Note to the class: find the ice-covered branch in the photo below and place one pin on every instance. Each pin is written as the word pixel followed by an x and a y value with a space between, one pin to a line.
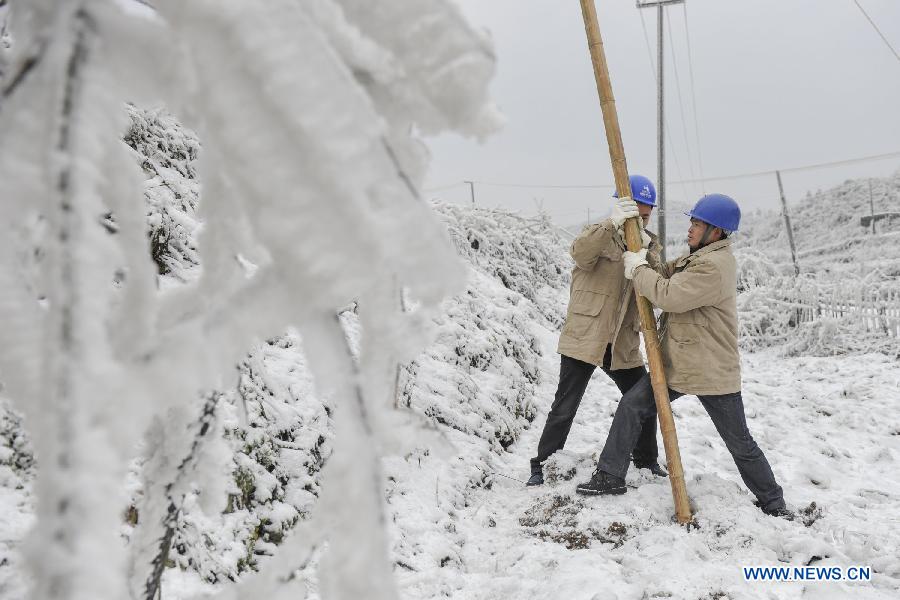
pixel 174 453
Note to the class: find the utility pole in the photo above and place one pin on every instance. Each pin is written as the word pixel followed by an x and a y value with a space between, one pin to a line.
pixel 471 190
pixel 787 223
pixel 660 120
pixel 872 206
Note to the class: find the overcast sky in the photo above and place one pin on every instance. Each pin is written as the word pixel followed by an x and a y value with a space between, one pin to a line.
pixel 778 84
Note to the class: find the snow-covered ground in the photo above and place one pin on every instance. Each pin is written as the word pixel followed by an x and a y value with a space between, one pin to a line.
pixel 830 430
pixel 828 425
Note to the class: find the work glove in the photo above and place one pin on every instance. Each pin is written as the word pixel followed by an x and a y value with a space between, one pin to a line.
pixel 645 237
pixel 633 260
pixel 623 210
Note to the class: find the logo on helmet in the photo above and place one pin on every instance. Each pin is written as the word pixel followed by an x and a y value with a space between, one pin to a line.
pixel 645 192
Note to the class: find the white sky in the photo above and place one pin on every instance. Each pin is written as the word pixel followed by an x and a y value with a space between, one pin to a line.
pixel 779 84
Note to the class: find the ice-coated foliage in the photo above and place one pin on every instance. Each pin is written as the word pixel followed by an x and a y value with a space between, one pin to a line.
pixel 527 256
pixel 477 378
pixel 16 452
pixel 168 153
pixel 306 112
pixel 847 296
pixel 277 457
pixel 484 338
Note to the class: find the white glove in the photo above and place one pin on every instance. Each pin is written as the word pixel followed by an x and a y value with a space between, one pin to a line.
pixel 622 210
pixel 645 238
pixel 633 260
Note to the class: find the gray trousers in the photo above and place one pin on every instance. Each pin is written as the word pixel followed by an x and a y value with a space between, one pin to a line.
pixel 727 414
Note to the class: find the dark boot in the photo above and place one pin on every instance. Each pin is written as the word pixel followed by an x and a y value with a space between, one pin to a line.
pixel 653 466
pixel 781 512
pixel 601 484
pixel 537 478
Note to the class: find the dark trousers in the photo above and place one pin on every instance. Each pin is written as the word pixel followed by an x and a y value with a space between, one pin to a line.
pixel 727 414
pixel 573 379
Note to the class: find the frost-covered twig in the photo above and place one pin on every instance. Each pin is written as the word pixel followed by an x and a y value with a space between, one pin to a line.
pixel 165 485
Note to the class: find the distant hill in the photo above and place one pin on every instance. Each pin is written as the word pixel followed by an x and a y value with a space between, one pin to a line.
pixel 828 232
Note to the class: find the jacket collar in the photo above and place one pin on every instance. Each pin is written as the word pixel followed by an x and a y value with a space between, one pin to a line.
pixel 704 250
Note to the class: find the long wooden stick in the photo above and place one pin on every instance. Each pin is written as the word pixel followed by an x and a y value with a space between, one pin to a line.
pixel 633 242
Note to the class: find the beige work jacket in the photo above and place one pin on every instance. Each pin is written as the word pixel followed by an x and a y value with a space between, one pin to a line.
pixel 602 308
pixel 699 328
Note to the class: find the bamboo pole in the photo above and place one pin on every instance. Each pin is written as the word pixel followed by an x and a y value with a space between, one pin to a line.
pixel 633 242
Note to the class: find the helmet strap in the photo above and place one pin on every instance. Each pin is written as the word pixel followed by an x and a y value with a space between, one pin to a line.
pixel 704 239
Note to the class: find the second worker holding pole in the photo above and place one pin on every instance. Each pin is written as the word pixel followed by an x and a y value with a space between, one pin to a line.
pixel 698 336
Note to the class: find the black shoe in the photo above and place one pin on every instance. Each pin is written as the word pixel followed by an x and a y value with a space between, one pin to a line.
pixel 781 512
pixel 601 484
pixel 535 479
pixel 653 466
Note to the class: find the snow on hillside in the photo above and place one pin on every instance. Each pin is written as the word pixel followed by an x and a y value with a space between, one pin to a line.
pixel 847 295
pixel 828 233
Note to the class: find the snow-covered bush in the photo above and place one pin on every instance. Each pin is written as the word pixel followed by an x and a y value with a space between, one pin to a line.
pixel 755 269
pixel 487 391
pixel 168 153
pixel 15 449
pixel 846 295
pixel 527 256
pixel 278 450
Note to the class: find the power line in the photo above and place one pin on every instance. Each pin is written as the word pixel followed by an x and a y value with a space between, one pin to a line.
pixel 654 76
pixel 647 44
pixel 441 188
pixel 552 186
pixel 836 163
pixel 687 34
pixel 687 144
pixel 896 55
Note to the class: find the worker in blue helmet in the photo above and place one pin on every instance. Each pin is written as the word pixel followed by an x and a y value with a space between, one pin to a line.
pixel 698 341
pixel 713 218
pixel 642 190
pixel 602 327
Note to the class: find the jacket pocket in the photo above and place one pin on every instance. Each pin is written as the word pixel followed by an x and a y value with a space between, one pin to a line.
pixel 586 302
pixel 584 310
pixel 685 335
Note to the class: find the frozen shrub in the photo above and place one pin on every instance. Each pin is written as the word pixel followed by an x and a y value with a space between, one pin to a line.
pixel 168 153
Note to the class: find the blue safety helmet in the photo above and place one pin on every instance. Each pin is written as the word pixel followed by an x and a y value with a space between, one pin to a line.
pixel 718 210
pixel 642 190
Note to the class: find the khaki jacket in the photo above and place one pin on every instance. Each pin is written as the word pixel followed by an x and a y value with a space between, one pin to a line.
pixel 699 328
pixel 602 307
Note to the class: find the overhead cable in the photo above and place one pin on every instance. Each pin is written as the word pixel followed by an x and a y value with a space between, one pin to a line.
pixel 836 163
pixel 687 143
pixel 896 55
pixel 687 33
